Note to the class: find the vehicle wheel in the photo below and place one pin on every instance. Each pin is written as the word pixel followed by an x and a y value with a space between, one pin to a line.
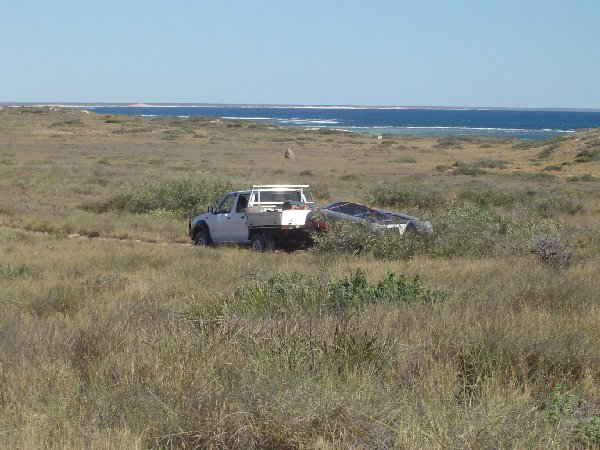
pixel 258 243
pixel 202 236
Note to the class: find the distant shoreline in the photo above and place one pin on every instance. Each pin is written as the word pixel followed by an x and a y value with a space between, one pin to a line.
pixel 291 106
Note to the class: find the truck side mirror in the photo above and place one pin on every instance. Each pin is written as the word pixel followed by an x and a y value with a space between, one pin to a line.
pixel 210 209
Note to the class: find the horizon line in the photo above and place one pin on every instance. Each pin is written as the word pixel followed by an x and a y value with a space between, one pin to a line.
pixel 286 105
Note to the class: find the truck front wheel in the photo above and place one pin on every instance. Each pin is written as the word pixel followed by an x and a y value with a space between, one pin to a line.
pixel 259 243
pixel 202 236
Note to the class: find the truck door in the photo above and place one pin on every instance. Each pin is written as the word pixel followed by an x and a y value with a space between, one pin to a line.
pixel 238 231
pixel 220 227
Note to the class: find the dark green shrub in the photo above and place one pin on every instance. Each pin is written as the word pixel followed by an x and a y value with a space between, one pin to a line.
pixel 588 155
pixel 405 160
pixel 450 142
pixel 587 432
pixel 552 204
pixel 467 230
pixel 553 167
pixel 460 168
pixel 9 271
pixel 547 152
pixel 490 163
pixel 524 145
pixel 588 178
pixel 183 198
pixel 281 294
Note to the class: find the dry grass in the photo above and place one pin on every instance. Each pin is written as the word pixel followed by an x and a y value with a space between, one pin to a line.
pixel 108 341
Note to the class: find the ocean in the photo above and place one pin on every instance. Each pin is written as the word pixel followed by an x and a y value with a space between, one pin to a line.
pixel 532 124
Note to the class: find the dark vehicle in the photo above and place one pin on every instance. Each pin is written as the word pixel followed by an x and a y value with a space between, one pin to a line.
pixel 378 219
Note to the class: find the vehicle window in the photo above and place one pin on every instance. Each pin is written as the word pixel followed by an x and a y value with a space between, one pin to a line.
pixel 307 195
pixel 279 197
pixel 226 205
pixel 242 203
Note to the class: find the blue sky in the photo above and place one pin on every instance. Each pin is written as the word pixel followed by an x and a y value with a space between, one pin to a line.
pixel 446 53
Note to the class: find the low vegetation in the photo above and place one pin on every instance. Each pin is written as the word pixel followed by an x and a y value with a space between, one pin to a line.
pixel 182 199
pixel 115 332
pixel 395 196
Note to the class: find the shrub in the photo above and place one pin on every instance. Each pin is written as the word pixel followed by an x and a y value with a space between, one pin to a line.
pixel 558 203
pixel 588 178
pixel 547 152
pixel 460 168
pixel 320 191
pixel 588 431
pixel 281 294
pixel 588 155
pixel 182 198
pixel 450 142
pixel 535 175
pixel 306 173
pixel 467 230
pixel 384 194
pixel 490 163
pixel 524 145
pixel 553 167
pixel 405 160
pixel 8 271
pixel 550 250
pixel 358 238
pixel 492 198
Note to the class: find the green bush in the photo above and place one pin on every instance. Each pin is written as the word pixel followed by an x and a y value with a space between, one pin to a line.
pixel 183 198
pixel 554 167
pixel 588 431
pixel 284 293
pixel 493 198
pixel 467 230
pixel 358 238
pixel 451 142
pixel 588 155
pixel 588 178
pixel 389 195
pixel 405 160
pixel 558 203
pixel 461 168
pixel 490 163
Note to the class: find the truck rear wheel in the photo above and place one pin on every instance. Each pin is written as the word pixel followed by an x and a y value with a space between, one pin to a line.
pixel 259 243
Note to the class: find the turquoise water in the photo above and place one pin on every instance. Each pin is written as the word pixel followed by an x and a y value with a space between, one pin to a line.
pixel 500 123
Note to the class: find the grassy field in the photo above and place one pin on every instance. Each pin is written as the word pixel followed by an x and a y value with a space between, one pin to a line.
pixel 115 332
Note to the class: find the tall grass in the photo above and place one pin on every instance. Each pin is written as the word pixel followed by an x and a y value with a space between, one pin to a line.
pixel 479 335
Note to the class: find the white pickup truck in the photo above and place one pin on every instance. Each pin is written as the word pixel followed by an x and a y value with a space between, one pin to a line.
pixel 265 217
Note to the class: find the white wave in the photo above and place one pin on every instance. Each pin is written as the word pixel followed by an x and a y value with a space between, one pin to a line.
pixel 248 118
pixel 515 130
pixel 310 121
